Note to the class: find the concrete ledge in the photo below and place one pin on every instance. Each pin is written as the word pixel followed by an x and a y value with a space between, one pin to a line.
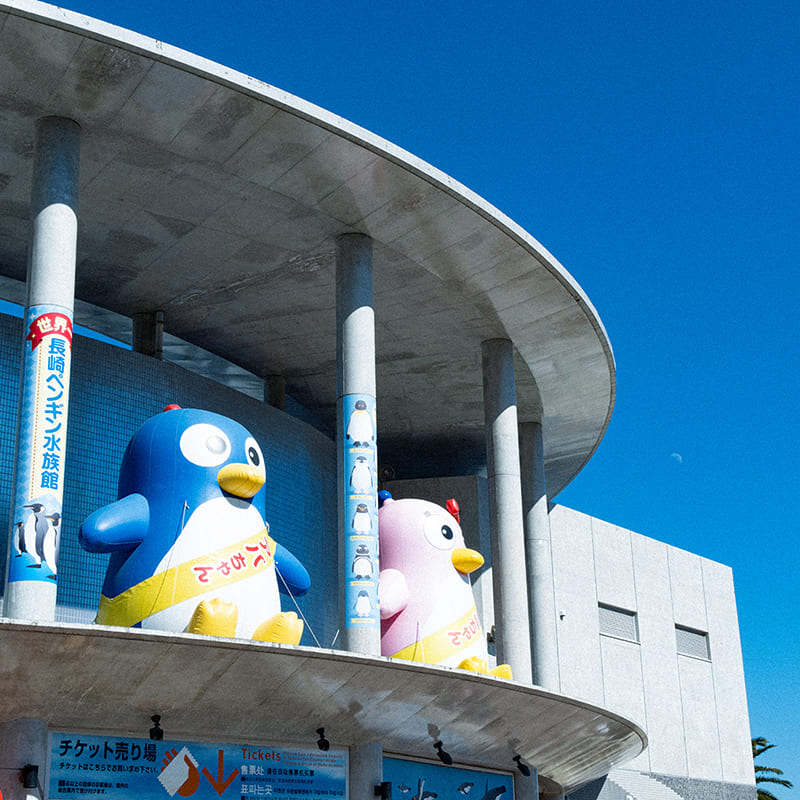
pixel 95 679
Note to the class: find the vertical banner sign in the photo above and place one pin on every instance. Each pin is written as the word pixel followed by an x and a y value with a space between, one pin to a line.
pixel 360 512
pixel 123 769
pixel 39 488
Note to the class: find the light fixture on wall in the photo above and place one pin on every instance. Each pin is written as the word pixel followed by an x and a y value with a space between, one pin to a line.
pixel 383 790
pixel 523 768
pixel 29 775
pixel 444 756
pixel 322 742
pixel 156 734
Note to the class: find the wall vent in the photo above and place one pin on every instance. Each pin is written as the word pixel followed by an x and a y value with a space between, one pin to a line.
pixel 692 643
pixel 618 622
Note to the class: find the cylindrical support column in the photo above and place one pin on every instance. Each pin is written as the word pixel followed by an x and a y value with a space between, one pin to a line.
pixel 23 743
pixel 148 333
pixel 526 787
pixel 356 435
pixel 505 508
pixel 44 383
pixel 366 770
pixel 541 593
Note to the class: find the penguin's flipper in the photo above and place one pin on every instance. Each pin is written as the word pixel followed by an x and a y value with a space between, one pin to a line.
pixel 284 627
pixel 502 671
pixel 393 592
pixel 293 577
pixel 121 525
pixel 215 617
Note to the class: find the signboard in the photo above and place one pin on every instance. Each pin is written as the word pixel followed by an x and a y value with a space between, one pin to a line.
pixel 39 488
pixel 114 768
pixel 420 780
pixel 360 513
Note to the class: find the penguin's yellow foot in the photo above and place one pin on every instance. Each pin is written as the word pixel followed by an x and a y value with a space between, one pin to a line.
pixel 501 671
pixel 474 664
pixel 285 628
pixel 215 617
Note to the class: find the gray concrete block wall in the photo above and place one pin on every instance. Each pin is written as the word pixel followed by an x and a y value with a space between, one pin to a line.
pixel 726 665
pixel 700 725
pixel 577 623
pixel 686 581
pixel 693 709
pixel 663 716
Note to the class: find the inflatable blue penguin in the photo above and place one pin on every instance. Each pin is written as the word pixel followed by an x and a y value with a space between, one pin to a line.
pixel 190 549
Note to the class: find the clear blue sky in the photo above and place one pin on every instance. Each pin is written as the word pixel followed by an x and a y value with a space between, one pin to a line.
pixel 653 149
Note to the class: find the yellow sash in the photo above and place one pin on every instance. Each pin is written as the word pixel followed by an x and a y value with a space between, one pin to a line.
pixel 192 578
pixel 442 644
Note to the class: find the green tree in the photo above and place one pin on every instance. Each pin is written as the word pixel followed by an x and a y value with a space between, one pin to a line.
pixel 766 774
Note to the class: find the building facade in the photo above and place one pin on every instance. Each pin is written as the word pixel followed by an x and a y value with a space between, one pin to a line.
pixel 330 274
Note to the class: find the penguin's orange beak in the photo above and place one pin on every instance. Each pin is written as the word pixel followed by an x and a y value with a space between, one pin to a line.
pixel 466 560
pixel 240 480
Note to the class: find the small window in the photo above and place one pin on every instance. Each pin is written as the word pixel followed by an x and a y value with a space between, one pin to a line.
pixel 692 643
pixel 618 623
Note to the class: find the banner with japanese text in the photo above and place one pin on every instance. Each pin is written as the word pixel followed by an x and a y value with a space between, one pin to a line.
pixel 116 768
pixel 39 486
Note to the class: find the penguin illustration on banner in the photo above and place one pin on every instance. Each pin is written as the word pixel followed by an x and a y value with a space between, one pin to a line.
pixel 363 605
pixel 37 536
pixel 428 612
pixel 190 549
pixel 362 563
pixel 361 481
pixel 359 428
pixel 362 520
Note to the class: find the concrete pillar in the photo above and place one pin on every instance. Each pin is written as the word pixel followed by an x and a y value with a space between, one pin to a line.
pixel 148 333
pixel 22 742
pixel 44 382
pixel 275 391
pixel 356 436
pixel 366 770
pixel 526 787
pixel 541 591
pixel 505 508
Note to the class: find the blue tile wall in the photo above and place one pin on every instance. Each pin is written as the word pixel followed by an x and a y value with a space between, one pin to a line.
pixel 113 391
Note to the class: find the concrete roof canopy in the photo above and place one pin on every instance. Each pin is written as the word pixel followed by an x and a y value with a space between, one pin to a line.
pixel 216 198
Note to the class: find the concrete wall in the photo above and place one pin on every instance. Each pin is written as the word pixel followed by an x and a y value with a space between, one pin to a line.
pixel 693 709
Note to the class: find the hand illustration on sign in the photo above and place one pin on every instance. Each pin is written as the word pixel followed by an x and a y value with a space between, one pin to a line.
pixel 181 776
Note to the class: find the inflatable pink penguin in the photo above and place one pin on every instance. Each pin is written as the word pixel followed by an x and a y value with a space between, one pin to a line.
pixel 428 613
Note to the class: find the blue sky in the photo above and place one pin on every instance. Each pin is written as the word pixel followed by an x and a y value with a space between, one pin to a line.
pixel 653 149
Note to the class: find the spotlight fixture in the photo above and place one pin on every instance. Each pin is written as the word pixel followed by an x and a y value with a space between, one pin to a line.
pixel 444 756
pixel 156 734
pixel 523 768
pixel 29 775
pixel 322 742
pixel 383 790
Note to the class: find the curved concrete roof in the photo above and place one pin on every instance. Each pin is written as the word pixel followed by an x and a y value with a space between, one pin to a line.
pixel 200 685
pixel 216 198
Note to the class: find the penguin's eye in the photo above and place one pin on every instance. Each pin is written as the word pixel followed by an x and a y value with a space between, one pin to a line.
pixel 254 455
pixel 205 445
pixel 439 531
